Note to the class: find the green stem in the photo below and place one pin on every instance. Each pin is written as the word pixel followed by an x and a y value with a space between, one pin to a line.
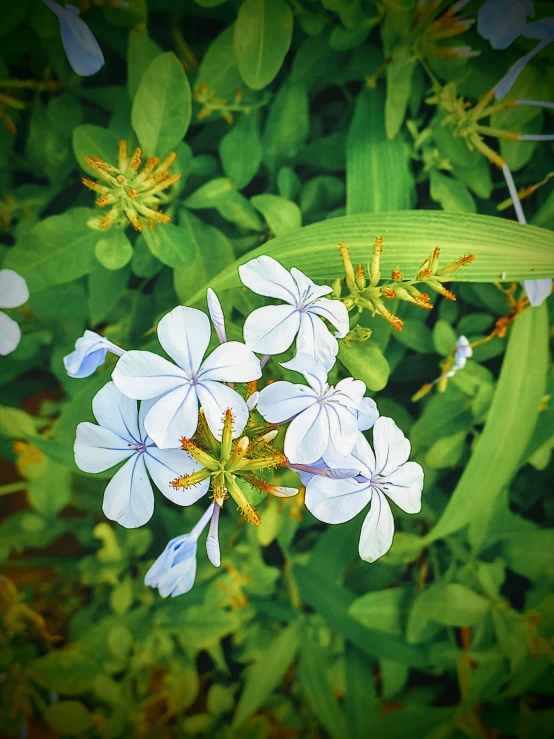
pixel 13 487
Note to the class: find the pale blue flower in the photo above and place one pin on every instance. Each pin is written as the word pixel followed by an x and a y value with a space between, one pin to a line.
pixel 178 389
pixel 81 48
pixel 318 413
pixel 501 22
pixel 120 436
pixel 174 572
pixel 387 473
pixel 13 293
pixel 90 352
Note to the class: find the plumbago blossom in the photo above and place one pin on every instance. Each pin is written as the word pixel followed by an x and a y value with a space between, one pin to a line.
pixel 204 427
pixel 13 293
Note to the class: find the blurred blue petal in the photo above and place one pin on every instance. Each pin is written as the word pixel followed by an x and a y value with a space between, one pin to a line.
pixel 537 291
pixel 90 352
pixel 541 30
pixel 502 21
pixel 83 53
pixel 507 82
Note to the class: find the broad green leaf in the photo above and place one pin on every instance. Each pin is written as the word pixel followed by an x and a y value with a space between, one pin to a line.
pixel 70 718
pixel 399 77
pixel 50 492
pixel 106 287
pixel 446 451
pixel 15 423
pixel 365 361
pixel 240 151
pixel 266 675
pixel 382 610
pixel 408 238
pixel 171 245
pixel 317 691
pixel 162 106
pixel 114 251
pixel 287 125
pixel 59 249
pixel 509 427
pixel 210 193
pixel 218 71
pixel 281 215
pixel 263 33
pixel 69 670
pixel 530 554
pixel 360 701
pixel 417 336
pixel 452 194
pixel 444 338
pixel 94 141
pixel 141 52
pixel 449 604
pixel 378 174
pixel 332 602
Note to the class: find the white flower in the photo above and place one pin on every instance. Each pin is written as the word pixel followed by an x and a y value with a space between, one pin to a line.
pixel 385 473
pixel 367 414
pixel 13 293
pixel 462 353
pixel 272 329
pixel 90 352
pixel 319 414
pixel 174 572
pixel 216 314
pixel 537 291
pixel 180 388
pixel 120 435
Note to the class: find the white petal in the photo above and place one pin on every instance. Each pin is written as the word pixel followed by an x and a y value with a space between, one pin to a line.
pixel 351 392
pixel 13 289
pixel 265 276
pixel 363 451
pixel 404 487
pixel 367 414
pixel 283 492
pixel 314 372
pixel 212 541
pixel 333 311
pixel 231 362
pixel 145 375
pixel 377 529
pixel 537 291
pixel 10 334
pixel 180 578
pixel 314 338
pixel 165 465
pixel 336 501
pixel 392 448
pixel 307 436
pixel 166 559
pixel 307 289
pixel 282 401
pixel 129 499
pixel 173 417
pixel 116 412
pixel 97 449
pixel 216 314
pixel 184 333
pixel 271 330
pixel 216 398
pixel 343 426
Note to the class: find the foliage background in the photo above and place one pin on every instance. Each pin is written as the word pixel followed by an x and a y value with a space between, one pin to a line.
pixel 451 633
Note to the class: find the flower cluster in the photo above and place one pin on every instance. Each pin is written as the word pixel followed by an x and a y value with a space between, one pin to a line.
pixel 133 196
pixel 205 425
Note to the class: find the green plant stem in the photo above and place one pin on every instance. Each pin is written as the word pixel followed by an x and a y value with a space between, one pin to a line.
pixel 13 487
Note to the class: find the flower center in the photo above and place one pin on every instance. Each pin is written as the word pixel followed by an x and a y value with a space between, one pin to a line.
pixel 140 447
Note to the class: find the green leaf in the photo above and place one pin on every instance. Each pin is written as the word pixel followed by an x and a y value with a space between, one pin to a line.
pixel 263 33
pixel 141 52
pixel 218 71
pixel 70 718
pixel 15 423
pixel 452 194
pixel 399 88
pixel 317 690
pixel 281 215
pixel 288 124
pixel 365 361
pixel 378 173
pixel 417 336
pixel 450 604
pixel 94 141
pixel 509 427
pixel 171 245
pixel 162 106
pixel 69 670
pixel 51 492
pixel 106 288
pixel 210 193
pixel 496 242
pixel 266 675
pixel 361 702
pixel 446 451
pixel 240 151
pixel 444 338
pixel 114 251
pixel 380 610
pixel 59 249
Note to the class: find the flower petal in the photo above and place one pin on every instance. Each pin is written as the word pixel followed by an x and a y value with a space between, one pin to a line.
pixel 282 401
pixel 502 21
pixel 307 289
pixel 314 372
pixel 165 465
pixel 404 487
pixel 129 499
pixel 10 334
pixel 231 362
pixel 145 375
pixel 216 314
pixel 180 578
pixel 307 436
pixel 97 449
pixel 265 276
pixel 173 416
pixel 184 544
pixel 81 48
pixel 271 330
pixel 13 289
pixel 184 333
pixel 392 448
pixel 537 291
pixel 367 414
pixel 215 398
pixel 335 312
pixel 315 339
pixel 377 529
pixel 343 427
pixel 116 412
pixel 336 501
pixel 350 392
